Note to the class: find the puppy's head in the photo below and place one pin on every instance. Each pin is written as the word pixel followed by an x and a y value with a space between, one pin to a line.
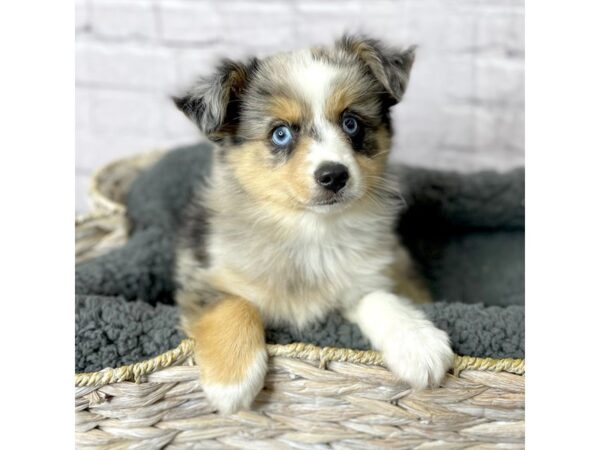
pixel 307 130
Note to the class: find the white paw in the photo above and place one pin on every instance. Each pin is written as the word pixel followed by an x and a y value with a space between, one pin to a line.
pixel 230 398
pixel 419 355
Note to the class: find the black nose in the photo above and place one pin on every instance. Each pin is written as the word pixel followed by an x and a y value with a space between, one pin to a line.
pixel 332 176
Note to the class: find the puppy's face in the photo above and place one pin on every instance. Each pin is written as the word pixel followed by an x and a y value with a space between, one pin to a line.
pixel 307 130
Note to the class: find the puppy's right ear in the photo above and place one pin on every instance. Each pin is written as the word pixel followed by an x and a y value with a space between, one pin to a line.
pixel 213 103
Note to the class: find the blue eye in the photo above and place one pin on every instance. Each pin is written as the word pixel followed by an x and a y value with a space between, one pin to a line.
pixel 282 136
pixel 350 125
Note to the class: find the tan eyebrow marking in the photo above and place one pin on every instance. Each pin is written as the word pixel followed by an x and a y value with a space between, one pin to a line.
pixel 288 109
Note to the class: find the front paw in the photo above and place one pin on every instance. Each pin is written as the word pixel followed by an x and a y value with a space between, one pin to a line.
pixel 230 397
pixel 420 355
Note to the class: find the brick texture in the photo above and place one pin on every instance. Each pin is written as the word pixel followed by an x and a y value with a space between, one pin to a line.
pixel 464 109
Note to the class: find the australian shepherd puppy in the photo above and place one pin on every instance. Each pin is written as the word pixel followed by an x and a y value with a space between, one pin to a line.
pixel 297 217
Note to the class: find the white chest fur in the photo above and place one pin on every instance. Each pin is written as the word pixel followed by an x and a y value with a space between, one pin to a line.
pixel 299 268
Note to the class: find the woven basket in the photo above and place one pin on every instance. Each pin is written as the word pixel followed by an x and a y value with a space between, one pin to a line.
pixel 313 397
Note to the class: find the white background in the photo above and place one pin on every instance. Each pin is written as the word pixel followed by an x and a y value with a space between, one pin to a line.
pixel 463 110
pixel 36 190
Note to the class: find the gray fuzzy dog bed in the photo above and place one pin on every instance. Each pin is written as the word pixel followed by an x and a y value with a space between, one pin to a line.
pixel 466 232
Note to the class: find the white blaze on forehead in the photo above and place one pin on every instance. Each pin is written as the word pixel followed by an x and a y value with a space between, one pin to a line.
pixel 314 80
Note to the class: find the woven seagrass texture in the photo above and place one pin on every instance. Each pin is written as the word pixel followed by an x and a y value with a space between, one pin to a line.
pixel 105 227
pixel 313 397
pixel 98 233
pixel 110 183
pixel 346 405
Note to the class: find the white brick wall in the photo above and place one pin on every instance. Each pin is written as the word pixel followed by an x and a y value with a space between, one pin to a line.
pixel 464 108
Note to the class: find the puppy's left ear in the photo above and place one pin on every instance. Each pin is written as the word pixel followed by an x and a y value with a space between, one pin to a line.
pixel 391 66
pixel 213 103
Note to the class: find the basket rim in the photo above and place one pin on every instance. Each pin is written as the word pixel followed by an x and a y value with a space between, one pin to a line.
pixel 94 191
pixel 299 350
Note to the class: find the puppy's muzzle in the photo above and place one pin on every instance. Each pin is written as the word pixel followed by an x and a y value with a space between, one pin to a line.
pixel 332 176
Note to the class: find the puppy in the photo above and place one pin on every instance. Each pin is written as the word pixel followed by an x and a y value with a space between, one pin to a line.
pixel 297 217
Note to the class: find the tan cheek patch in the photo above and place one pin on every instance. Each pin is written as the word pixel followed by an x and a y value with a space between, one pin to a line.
pixel 285 184
pixel 229 337
pixel 372 167
pixel 252 169
pixel 384 142
pixel 296 174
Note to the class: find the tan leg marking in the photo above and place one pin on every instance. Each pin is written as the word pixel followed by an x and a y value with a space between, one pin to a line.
pixel 229 336
pixel 408 281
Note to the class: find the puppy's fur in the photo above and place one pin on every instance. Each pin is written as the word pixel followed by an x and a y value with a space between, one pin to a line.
pixel 267 241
